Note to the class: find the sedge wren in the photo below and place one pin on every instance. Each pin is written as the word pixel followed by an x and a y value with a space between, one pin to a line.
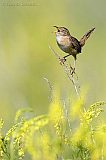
pixel 69 44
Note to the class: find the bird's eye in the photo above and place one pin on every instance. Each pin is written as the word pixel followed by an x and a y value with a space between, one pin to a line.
pixel 58 30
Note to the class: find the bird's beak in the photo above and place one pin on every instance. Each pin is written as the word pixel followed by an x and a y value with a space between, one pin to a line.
pixel 56 28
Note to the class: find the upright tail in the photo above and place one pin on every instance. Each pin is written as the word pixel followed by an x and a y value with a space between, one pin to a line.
pixel 85 37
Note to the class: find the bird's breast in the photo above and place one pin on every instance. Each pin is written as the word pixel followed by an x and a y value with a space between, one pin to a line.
pixel 63 40
pixel 64 43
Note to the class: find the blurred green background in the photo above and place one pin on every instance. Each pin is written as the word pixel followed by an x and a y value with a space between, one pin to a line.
pixel 25 58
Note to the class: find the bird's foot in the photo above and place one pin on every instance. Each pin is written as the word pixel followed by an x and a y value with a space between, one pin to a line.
pixel 62 60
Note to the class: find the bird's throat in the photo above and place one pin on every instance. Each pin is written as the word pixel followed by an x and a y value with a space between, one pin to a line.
pixel 59 39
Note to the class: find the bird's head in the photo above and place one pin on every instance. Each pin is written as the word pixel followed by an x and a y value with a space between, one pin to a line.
pixel 61 31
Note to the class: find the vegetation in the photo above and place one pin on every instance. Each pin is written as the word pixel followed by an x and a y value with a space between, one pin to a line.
pixel 54 135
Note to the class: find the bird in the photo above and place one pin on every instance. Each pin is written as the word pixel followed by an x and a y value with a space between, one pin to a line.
pixel 69 44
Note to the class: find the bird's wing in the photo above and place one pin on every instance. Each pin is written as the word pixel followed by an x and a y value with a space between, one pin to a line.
pixel 86 36
pixel 75 44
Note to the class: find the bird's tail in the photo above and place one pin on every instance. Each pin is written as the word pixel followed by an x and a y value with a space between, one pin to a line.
pixel 85 37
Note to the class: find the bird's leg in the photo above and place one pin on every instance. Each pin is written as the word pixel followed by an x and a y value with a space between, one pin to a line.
pixel 66 56
pixel 75 64
pixel 62 60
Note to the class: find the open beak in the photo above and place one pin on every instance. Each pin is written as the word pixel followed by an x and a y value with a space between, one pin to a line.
pixel 56 28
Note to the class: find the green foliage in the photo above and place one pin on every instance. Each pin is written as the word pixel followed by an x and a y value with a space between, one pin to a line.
pixel 53 136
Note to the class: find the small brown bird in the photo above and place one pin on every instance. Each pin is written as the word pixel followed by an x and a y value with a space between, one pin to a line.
pixel 69 44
